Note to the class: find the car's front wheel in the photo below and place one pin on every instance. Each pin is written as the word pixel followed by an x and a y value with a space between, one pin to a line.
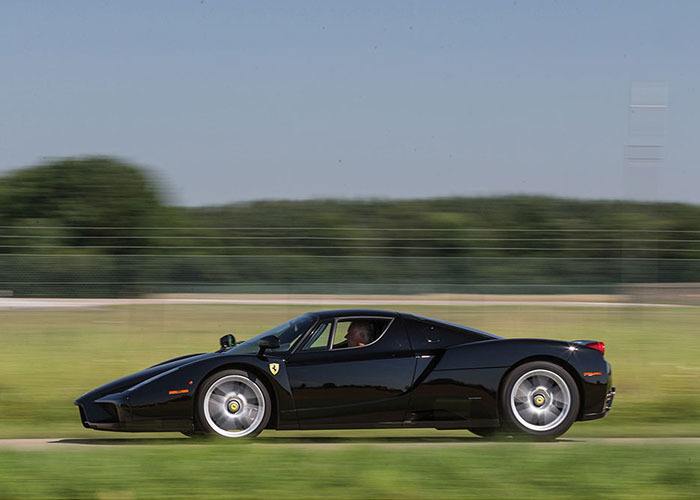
pixel 539 399
pixel 233 404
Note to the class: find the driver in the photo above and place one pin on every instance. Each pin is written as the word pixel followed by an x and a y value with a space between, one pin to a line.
pixel 359 334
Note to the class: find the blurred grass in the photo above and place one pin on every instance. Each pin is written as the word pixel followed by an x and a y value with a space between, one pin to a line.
pixel 49 357
pixel 245 470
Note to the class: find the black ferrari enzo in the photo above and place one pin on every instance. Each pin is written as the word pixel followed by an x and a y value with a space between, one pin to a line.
pixel 363 369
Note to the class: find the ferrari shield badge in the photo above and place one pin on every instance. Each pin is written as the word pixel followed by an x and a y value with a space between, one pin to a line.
pixel 274 368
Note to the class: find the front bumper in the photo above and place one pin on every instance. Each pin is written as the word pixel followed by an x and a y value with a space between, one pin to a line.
pixel 111 413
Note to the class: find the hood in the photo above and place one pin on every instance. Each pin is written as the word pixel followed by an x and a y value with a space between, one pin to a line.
pixel 124 383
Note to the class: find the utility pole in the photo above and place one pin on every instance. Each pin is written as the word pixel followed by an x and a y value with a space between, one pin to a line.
pixel 646 143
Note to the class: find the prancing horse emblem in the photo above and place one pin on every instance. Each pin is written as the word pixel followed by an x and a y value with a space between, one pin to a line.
pixel 274 368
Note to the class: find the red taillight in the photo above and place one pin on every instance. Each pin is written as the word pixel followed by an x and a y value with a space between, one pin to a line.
pixel 598 346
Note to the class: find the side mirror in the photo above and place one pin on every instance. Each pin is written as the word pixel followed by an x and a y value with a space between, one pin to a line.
pixel 227 341
pixel 269 342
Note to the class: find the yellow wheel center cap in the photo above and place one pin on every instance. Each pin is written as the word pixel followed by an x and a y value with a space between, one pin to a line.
pixel 538 400
pixel 234 406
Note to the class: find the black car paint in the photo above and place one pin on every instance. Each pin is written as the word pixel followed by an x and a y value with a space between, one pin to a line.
pixel 420 373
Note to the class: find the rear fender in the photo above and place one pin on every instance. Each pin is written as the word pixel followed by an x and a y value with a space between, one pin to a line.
pixel 501 353
pixel 587 366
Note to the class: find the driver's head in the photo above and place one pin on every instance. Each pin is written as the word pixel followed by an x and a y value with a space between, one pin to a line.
pixel 359 333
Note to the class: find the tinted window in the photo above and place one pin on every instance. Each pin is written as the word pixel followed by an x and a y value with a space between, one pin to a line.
pixel 319 338
pixel 433 335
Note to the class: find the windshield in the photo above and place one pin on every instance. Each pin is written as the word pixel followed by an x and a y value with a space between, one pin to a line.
pixel 287 333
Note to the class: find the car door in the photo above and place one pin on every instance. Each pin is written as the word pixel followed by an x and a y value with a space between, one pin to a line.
pixel 339 386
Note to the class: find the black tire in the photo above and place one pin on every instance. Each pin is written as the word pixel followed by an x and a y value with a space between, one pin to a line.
pixel 208 423
pixel 542 373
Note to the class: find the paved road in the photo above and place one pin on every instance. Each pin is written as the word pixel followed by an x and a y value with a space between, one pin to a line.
pixel 94 443
pixel 31 303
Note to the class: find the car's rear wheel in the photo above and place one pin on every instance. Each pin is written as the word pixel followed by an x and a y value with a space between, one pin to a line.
pixel 539 399
pixel 233 404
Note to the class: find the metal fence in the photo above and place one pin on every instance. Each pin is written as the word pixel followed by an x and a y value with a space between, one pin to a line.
pixel 118 261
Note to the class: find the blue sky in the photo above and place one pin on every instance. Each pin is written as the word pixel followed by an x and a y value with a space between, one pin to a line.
pixel 231 101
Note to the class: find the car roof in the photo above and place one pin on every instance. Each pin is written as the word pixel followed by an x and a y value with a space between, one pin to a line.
pixel 332 313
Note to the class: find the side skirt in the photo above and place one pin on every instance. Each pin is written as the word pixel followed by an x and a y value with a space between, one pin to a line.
pixel 423 424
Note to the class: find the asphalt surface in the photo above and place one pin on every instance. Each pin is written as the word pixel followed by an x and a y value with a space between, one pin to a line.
pixel 11 303
pixel 44 444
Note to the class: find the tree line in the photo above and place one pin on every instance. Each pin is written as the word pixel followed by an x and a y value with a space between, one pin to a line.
pixel 98 226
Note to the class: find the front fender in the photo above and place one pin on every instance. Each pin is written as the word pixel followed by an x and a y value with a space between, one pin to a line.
pixel 172 394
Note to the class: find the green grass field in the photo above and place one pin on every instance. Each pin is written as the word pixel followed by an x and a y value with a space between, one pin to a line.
pixel 49 357
pixel 245 470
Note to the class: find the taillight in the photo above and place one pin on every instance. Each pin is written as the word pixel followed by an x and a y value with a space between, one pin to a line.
pixel 598 346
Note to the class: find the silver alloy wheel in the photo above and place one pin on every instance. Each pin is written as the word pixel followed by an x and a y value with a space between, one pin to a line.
pixel 234 406
pixel 540 400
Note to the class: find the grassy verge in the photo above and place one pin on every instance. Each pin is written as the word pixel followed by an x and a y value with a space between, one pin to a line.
pixel 259 471
pixel 48 358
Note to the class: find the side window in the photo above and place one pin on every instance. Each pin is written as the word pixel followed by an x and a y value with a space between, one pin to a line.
pixel 358 332
pixel 319 338
pixel 431 334
pixel 426 335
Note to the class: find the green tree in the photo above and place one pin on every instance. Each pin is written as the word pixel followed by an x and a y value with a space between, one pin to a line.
pixel 92 210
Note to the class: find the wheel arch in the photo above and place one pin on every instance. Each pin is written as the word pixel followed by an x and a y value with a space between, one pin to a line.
pixel 274 416
pixel 551 359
